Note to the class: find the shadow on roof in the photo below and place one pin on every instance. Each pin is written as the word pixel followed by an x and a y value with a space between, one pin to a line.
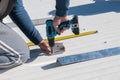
pixel 34 53
pixel 94 8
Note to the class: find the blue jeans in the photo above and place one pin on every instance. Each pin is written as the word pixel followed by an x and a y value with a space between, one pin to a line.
pixel 14 41
pixel 23 21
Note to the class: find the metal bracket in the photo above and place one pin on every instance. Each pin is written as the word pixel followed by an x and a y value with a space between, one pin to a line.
pixel 58 48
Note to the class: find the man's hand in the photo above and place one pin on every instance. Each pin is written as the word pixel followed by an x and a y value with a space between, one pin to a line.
pixel 45 47
pixel 57 21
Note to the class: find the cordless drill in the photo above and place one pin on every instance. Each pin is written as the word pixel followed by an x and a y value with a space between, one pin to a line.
pixel 51 32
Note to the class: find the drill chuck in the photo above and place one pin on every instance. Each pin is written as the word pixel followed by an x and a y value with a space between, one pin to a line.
pixel 51 41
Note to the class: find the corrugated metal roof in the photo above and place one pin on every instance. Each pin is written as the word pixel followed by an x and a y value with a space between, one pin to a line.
pixel 101 16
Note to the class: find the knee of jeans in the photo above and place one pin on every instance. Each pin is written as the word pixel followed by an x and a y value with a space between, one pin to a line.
pixel 25 55
pixel 4 59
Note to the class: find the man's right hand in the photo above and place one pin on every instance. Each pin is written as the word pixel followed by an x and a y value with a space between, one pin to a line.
pixel 57 21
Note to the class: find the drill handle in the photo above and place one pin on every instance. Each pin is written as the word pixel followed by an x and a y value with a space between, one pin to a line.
pixel 73 22
pixel 68 23
pixel 64 24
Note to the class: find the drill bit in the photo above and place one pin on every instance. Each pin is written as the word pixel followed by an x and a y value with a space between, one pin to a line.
pixel 52 51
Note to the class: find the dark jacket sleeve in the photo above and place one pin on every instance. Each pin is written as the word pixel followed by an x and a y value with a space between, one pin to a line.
pixel 23 21
pixel 62 7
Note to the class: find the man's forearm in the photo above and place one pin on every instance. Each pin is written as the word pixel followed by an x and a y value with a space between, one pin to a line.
pixel 23 21
pixel 62 7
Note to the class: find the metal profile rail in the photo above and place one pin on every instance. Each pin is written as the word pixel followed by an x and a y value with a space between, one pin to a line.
pixel 67 37
pixel 65 60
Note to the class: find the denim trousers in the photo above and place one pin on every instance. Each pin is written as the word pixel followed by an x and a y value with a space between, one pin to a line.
pixel 15 41
pixel 12 39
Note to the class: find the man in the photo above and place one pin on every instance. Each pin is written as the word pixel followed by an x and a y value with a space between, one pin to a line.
pixel 21 18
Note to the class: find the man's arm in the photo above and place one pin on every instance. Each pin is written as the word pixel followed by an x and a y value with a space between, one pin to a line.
pixel 62 7
pixel 23 21
pixel 61 13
